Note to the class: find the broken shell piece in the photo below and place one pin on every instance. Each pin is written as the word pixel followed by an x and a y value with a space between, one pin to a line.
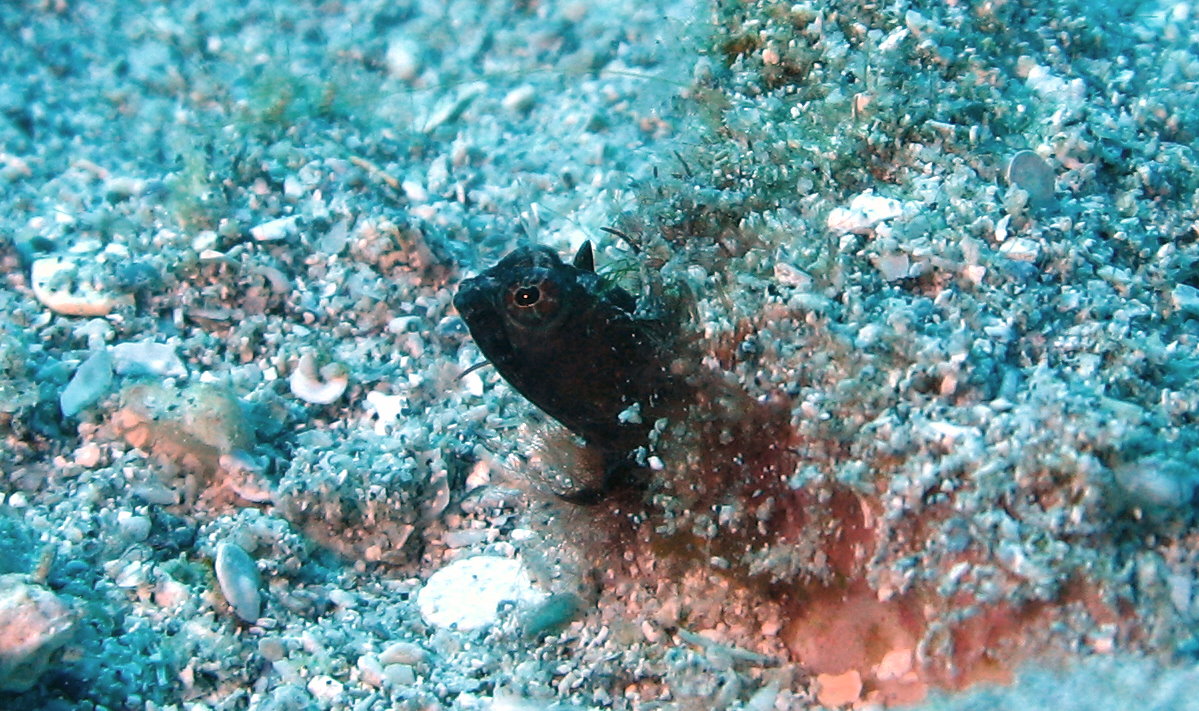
pixel 319 388
pixel 864 213
pixel 59 285
pixel 147 358
pixel 276 229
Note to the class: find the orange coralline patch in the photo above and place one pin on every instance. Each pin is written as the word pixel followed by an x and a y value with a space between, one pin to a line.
pixel 836 632
pixel 194 434
pixel 838 689
pixel 899 645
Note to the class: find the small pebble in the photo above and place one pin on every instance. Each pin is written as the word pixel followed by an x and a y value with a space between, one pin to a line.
pixel 370 670
pixel 1032 174
pixel 552 615
pixel 1021 249
pixel 839 689
pixel 864 213
pixel 403 60
pixel 341 598
pixel 465 537
pixel 56 284
pixel 88 455
pixel 520 99
pixel 90 383
pixel 133 528
pixel 402 653
pixel 278 229
pixel 237 574
pixel 1157 480
pixel 893 266
pixel 1186 299
pixel 34 623
pixel 399 675
pixel 271 649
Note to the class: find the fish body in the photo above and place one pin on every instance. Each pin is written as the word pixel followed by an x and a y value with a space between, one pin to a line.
pixel 572 343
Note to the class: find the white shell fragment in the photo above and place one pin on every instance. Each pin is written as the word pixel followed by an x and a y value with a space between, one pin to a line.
pixel 147 358
pixel 387 409
pixel 467 594
pixel 56 283
pixel 325 688
pixel 1021 249
pixel 320 388
pixel 273 230
pixel 237 574
pixel 864 213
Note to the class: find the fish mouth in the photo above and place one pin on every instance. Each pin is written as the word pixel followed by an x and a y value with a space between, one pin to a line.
pixel 475 303
pixel 472 299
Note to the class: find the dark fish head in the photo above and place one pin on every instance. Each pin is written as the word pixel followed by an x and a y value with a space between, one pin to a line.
pixel 564 338
pixel 525 303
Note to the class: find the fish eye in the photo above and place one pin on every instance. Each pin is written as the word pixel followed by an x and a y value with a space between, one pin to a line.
pixel 532 302
pixel 526 296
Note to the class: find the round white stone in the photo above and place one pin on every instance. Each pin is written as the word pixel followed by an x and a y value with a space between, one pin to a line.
pixel 467 593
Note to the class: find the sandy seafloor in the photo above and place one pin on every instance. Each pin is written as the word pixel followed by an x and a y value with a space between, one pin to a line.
pixel 237 443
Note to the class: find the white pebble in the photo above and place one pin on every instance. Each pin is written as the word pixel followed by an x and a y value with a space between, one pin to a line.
pixel 473 384
pixel 133 528
pixel 237 574
pixel 1021 249
pixel 342 599
pixel 1186 299
pixel 467 594
pixel 893 266
pixel 790 276
pixel 325 688
pixel 370 670
pixel 88 455
pixel 403 61
pixel 1158 481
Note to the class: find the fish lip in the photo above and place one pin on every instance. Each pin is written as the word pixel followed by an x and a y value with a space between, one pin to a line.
pixel 475 302
pixel 472 297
